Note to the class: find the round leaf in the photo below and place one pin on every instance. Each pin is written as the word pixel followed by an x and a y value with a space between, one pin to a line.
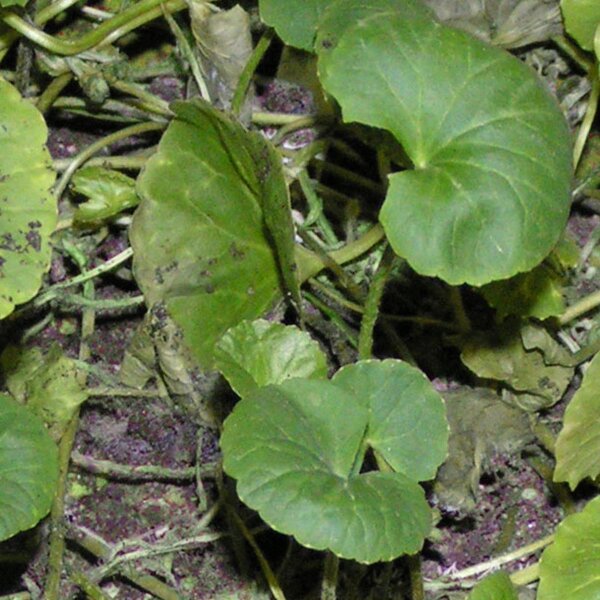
pixel 296 448
pixel 27 209
pixel 496 586
pixel 258 353
pixel 407 424
pixel 489 193
pixel 569 567
pixel 581 19
pixel 198 235
pixel 28 468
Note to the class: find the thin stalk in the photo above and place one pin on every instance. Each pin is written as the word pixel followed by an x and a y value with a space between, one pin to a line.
pixel 588 119
pixel 333 317
pixel 125 163
pixel 91 590
pixel 315 204
pixel 580 308
pixel 139 13
pixel 352 177
pixel 573 52
pixel 101 304
pixel 148 102
pixel 331 567
pixel 272 118
pixel 460 314
pixel 248 71
pixel 303 122
pixel 99 145
pixel 417 591
pixel 372 302
pixel 52 92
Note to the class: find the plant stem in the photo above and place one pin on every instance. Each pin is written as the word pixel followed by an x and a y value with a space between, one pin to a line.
pixel 331 565
pixel 334 317
pixel 248 71
pixel 125 163
pixel 272 118
pixel 149 102
pixel 588 119
pixel 580 308
pixel 97 146
pixel 108 304
pixel 573 52
pixel 139 13
pixel 417 592
pixel 460 314
pixel 372 302
pixel 52 91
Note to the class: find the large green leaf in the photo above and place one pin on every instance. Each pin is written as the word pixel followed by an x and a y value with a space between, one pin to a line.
pixel 258 353
pixel 569 567
pixel 578 443
pixel 581 19
pixel 199 235
pixel 27 208
pixel 405 410
pixel 294 22
pixel 28 468
pixel 489 193
pixel 296 450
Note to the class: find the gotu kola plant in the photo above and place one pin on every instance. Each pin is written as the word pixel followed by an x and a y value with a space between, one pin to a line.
pixel 484 198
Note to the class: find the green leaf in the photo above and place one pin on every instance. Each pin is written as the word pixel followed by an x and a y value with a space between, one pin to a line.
pixel 258 353
pixel 581 19
pixel 578 443
pixel 28 468
pixel 109 193
pixel 537 293
pixel 399 396
pixel 198 235
pixel 7 3
pixel 296 450
pixel 569 567
pixel 294 22
pixel 531 372
pixel 489 193
pixel 47 382
pixel 496 586
pixel 27 209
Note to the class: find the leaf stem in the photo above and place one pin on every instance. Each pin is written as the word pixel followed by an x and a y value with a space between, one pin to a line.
pixel 246 76
pixel 331 566
pixel 137 14
pixel 372 302
pixel 588 119
pixel 52 91
pixel 581 307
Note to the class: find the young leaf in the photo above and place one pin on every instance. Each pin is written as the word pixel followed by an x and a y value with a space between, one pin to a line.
pixel 578 443
pixel 398 396
pixel 569 567
pixel 28 468
pixel 109 193
pixel 497 586
pixel 258 353
pixel 581 19
pixel 296 449
pixel 27 209
pixel 489 193
pixel 198 235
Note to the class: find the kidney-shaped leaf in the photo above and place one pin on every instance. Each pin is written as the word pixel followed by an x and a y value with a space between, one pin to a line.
pixel 569 567
pixel 407 424
pixel 489 193
pixel 27 208
pixel 296 451
pixel 28 468
pixel 198 235
pixel 258 353
pixel 578 443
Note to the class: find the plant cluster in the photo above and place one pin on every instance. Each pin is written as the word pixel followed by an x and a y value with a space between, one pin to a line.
pixel 456 166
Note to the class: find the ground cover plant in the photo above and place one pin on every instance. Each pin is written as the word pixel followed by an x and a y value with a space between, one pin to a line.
pixel 299 300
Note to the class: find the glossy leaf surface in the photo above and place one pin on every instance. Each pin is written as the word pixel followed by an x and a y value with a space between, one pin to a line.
pixel 489 193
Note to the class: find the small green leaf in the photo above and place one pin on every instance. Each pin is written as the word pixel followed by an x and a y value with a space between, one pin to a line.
pixel 7 3
pixel 199 234
pixel 578 443
pixel 569 567
pixel 28 468
pixel 296 451
pixel 581 19
pixel 489 194
pixel 497 586
pixel 109 193
pixel 399 396
pixel 537 293
pixel 258 353
pixel 48 383
pixel 27 208
pixel 294 22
